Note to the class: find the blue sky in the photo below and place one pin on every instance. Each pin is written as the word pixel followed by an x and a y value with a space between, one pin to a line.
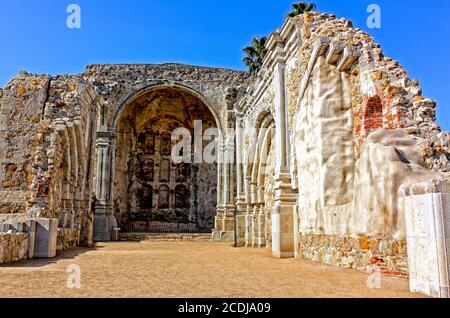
pixel 211 33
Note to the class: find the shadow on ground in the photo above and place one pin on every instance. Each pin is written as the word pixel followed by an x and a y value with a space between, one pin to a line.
pixel 42 262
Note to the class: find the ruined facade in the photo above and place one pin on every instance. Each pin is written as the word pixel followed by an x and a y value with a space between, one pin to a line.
pixel 331 154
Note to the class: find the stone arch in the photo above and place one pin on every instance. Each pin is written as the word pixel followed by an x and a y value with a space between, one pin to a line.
pixel 157 109
pixel 147 89
pixel 256 232
pixel 74 179
pixel 81 180
pixel 265 123
pixel 66 165
pixel 263 156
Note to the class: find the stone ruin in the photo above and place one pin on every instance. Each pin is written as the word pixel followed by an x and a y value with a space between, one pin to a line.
pixel 337 157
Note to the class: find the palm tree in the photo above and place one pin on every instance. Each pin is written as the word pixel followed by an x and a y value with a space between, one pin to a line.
pixel 255 54
pixel 300 8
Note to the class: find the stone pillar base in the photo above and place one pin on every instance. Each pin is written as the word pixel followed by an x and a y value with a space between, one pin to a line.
pixel 228 218
pixel 283 232
pixel 101 228
pixel 248 230
pixel 104 224
pixel 261 239
pixel 241 226
pixel 223 236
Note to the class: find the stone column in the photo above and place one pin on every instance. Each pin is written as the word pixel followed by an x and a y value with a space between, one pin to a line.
pixel 261 240
pixel 248 213
pixel 104 219
pixel 427 219
pixel 112 222
pixel 230 206
pixel 75 222
pixel 88 210
pixel 255 224
pixel 241 206
pixel 193 214
pixel 285 198
pixel 218 222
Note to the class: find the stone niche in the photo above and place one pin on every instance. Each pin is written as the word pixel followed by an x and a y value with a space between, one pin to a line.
pixel 150 189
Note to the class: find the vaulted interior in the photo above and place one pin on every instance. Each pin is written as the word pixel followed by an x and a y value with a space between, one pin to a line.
pixel 151 190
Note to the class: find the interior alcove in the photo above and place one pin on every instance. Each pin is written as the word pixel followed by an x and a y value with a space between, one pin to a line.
pixel 149 189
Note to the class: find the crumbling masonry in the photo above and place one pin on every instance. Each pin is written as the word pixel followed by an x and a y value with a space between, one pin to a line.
pixel 337 157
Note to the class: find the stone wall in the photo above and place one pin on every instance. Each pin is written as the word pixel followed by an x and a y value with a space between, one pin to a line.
pixel 358 129
pixel 382 254
pixel 22 104
pixel 13 247
pixel 67 239
pixel 46 130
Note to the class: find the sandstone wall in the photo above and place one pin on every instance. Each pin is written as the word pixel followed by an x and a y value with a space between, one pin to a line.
pixel 13 247
pixel 359 128
pixel 22 104
pixel 67 239
pixel 46 127
pixel 119 84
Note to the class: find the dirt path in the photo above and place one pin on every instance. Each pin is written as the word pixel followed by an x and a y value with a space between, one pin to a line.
pixel 183 269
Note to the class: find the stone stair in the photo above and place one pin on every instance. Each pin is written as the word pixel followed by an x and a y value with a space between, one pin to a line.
pixel 166 237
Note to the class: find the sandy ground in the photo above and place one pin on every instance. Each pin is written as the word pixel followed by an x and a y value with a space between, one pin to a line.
pixel 184 269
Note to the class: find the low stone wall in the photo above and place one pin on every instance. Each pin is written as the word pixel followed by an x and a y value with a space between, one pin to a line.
pixel 388 256
pixel 13 247
pixel 67 239
pixel 165 237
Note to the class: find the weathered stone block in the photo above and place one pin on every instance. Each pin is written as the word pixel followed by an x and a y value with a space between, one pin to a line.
pixel 428 234
pixel 4 227
pixel 30 229
pixel 46 236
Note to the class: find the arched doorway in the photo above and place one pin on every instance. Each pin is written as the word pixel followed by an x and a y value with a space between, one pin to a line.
pixel 152 191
